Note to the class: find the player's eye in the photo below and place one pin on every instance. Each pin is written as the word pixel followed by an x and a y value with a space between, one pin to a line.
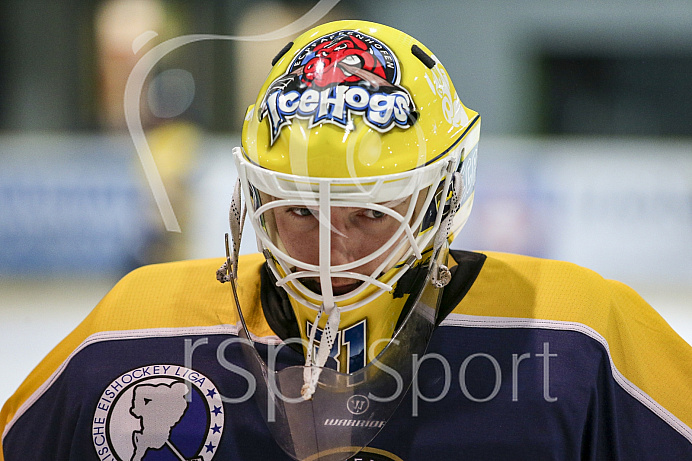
pixel 373 214
pixel 300 211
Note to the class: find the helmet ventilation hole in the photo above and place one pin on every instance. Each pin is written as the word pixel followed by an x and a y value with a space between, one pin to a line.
pixel 281 53
pixel 428 61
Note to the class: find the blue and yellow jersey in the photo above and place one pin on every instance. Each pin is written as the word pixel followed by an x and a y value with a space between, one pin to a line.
pixel 539 360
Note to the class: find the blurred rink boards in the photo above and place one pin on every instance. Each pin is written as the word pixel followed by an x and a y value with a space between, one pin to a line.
pixel 70 206
pixel 76 214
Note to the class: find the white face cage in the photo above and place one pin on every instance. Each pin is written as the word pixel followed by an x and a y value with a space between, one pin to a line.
pixel 269 190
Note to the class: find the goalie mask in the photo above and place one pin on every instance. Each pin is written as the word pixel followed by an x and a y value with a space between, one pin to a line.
pixel 358 167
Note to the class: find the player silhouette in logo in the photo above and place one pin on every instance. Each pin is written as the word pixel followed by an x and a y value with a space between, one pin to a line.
pixel 159 408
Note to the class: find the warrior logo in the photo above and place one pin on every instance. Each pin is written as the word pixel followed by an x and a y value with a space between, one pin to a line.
pixel 155 411
pixel 334 76
pixel 357 404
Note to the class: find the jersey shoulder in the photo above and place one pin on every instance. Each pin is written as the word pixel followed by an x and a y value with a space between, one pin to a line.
pixel 157 299
pixel 174 295
pixel 537 288
pixel 648 356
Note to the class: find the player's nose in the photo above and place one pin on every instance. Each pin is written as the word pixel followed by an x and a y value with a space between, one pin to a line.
pixel 344 242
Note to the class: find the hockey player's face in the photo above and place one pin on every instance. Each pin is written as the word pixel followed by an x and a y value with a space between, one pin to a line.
pixel 356 233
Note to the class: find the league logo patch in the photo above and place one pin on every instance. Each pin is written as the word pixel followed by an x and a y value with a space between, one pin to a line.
pixel 336 75
pixel 158 412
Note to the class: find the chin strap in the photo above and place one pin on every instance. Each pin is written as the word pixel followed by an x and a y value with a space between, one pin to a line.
pixel 440 275
pixel 313 367
pixel 236 220
pixel 228 272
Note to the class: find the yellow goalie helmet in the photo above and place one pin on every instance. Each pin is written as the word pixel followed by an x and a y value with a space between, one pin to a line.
pixel 356 121
pixel 358 166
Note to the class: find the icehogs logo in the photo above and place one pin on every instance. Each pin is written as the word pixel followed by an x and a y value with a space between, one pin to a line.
pixel 334 76
pixel 158 412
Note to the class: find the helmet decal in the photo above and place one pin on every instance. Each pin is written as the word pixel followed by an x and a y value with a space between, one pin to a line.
pixel 334 76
